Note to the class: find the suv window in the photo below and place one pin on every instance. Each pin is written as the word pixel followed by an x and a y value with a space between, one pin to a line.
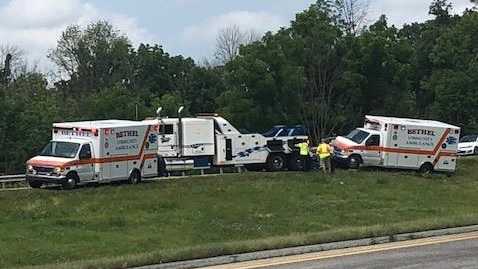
pixel 373 141
pixel 299 131
pixel 85 152
pixel 283 133
pixel 469 138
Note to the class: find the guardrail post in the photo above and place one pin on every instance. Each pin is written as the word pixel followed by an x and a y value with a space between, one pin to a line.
pixel 12 179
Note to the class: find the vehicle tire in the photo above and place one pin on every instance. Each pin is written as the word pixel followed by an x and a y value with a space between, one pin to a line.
pixel 254 167
pixel 71 182
pixel 35 184
pixel 295 163
pixel 426 169
pixel 475 151
pixel 355 161
pixel 276 162
pixel 134 178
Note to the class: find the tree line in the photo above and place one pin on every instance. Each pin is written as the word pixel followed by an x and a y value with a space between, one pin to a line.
pixel 326 71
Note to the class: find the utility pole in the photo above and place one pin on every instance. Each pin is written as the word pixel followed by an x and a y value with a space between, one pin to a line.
pixel 7 70
pixel 136 111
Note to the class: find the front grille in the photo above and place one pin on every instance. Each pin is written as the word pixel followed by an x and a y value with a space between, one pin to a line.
pixel 46 170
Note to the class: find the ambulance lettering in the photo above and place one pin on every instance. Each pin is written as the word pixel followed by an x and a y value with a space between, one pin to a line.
pixel 420 137
pixel 421 132
pixel 127 134
pixel 127 140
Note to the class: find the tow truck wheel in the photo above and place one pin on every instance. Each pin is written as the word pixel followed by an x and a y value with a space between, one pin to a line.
pixel 35 184
pixel 355 162
pixel 134 178
pixel 276 163
pixel 71 182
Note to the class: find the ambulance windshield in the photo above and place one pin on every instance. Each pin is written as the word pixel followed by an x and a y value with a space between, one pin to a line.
pixel 358 136
pixel 60 149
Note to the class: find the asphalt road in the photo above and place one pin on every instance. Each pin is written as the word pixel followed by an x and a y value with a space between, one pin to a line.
pixel 447 252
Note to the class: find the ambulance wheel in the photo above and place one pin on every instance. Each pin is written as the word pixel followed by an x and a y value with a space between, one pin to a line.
pixel 35 184
pixel 355 161
pixel 276 162
pixel 71 182
pixel 134 178
pixel 426 169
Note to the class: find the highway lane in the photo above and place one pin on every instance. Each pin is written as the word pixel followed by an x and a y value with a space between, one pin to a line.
pixel 445 252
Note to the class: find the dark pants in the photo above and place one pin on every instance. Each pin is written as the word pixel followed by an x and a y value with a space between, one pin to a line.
pixel 305 162
pixel 333 165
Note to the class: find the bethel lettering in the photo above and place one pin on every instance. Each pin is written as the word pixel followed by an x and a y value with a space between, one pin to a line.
pixel 126 134
pixel 421 132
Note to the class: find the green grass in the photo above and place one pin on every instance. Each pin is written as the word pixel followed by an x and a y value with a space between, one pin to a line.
pixel 120 226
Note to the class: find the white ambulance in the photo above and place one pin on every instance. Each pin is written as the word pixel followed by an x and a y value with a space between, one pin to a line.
pixel 422 145
pixel 96 151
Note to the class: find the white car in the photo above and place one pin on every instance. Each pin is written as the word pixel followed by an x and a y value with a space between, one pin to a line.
pixel 468 145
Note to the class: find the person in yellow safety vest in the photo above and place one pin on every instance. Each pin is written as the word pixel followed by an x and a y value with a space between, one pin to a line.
pixel 304 153
pixel 324 151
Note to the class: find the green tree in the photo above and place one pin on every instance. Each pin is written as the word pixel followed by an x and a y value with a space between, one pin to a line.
pixel 28 110
pixel 454 81
pixel 94 58
pixel 383 70
pixel 441 9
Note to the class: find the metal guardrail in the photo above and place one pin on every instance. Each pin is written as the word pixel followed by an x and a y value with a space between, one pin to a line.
pixel 18 182
pixel 12 181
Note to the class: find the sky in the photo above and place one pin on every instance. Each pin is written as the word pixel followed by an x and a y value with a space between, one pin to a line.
pixel 187 27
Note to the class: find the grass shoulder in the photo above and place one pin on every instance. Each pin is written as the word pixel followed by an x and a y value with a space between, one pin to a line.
pixel 122 226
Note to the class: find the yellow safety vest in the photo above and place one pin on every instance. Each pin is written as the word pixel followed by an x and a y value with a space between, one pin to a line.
pixel 324 151
pixel 304 149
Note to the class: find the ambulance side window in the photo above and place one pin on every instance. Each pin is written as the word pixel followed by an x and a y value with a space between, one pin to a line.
pixel 374 140
pixel 85 152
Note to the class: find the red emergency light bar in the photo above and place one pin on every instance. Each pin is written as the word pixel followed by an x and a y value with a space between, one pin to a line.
pixel 94 130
